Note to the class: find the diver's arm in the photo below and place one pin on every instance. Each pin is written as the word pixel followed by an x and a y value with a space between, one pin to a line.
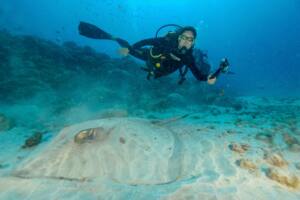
pixel 148 42
pixel 200 76
pixel 210 78
pixel 136 49
pixel 140 44
pixel 223 68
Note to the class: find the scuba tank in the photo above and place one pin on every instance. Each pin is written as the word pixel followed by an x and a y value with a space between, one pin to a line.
pixel 167 25
pixel 156 59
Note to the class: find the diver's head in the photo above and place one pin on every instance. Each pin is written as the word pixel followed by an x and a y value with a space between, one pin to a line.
pixel 186 38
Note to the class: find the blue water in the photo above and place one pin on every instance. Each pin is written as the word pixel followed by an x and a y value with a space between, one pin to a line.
pixel 261 39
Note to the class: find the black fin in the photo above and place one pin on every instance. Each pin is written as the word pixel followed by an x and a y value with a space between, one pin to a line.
pixel 92 31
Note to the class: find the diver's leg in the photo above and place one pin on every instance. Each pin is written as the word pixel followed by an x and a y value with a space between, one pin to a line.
pixel 92 31
pixel 122 43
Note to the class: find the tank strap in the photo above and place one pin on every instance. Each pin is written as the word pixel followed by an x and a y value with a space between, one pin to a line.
pixel 182 72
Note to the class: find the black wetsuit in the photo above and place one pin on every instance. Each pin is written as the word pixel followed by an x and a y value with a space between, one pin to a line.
pixel 161 55
pixel 167 58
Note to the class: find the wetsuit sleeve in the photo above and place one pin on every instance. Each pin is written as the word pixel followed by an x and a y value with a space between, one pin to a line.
pixel 139 51
pixel 198 74
pixel 148 42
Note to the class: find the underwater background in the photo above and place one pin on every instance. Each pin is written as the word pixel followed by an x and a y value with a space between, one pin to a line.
pixel 260 38
pixel 230 140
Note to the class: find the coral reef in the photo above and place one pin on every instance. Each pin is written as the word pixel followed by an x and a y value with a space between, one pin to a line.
pixel 291 181
pixel 33 140
pixel 6 123
pixel 246 164
pixel 239 148
pixel 265 137
pixel 275 159
pixel 292 142
pixel 33 66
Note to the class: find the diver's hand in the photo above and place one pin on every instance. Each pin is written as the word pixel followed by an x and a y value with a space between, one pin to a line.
pixel 210 80
pixel 223 68
pixel 224 65
pixel 124 51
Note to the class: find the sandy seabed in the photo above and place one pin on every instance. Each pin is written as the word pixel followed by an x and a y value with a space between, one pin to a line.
pixel 205 153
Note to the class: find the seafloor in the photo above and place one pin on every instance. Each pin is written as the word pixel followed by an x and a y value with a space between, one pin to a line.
pixel 76 124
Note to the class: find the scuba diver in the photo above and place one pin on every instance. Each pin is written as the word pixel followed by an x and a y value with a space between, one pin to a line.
pixel 164 55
